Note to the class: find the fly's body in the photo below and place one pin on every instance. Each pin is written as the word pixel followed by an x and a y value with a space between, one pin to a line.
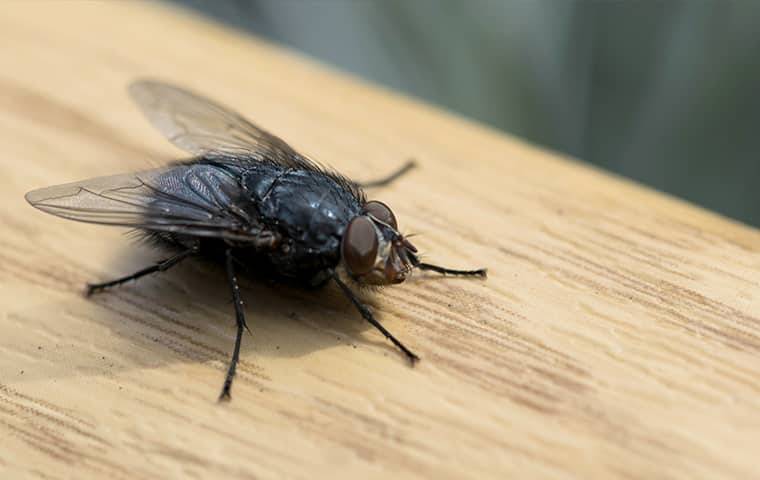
pixel 247 198
pixel 293 220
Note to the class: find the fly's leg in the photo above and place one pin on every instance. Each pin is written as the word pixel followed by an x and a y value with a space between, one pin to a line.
pixel 480 272
pixel 367 314
pixel 241 325
pixel 160 266
pixel 388 179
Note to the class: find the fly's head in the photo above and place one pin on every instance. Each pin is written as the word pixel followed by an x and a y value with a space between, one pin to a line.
pixel 372 249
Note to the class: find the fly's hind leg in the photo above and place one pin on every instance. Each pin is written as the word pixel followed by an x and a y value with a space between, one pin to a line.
pixel 381 182
pixel 241 325
pixel 160 266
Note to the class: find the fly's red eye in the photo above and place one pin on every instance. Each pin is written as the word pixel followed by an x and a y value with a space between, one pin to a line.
pixel 359 245
pixel 380 211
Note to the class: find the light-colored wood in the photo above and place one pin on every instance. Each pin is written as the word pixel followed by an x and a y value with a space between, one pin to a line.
pixel 617 336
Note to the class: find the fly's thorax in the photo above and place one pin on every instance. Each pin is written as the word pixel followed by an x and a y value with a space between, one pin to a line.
pixel 373 251
pixel 308 207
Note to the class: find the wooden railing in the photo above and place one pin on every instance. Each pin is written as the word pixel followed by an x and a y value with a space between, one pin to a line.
pixel 617 336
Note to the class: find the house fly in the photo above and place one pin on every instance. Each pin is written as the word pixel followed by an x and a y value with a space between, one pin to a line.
pixel 245 198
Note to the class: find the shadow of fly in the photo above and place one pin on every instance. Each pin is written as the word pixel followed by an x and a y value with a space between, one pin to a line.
pixel 245 198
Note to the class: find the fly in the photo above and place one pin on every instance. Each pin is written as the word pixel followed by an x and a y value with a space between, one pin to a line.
pixel 245 198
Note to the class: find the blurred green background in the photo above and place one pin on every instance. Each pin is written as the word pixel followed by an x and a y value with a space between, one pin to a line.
pixel 662 92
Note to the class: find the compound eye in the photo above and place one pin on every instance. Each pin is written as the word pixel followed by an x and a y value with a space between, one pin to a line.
pixel 380 211
pixel 359 245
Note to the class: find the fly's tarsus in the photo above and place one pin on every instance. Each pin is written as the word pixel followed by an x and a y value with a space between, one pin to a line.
pixel 367 314
pixel 480 272
pixel 381 182
pixel 241 326
pixel 160 266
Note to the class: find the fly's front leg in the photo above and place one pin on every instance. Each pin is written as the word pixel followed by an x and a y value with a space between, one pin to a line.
pixel 367 314
pixel 480 272
pixel 160 266
pixel 241 325
pixel 388 179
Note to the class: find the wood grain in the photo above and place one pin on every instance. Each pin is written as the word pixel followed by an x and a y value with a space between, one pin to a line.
pixel 617 336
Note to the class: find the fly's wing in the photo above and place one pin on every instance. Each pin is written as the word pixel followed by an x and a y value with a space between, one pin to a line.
pixel 204 128
pixel 192 199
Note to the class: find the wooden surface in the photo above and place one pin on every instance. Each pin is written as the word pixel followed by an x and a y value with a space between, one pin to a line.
pixel 617 336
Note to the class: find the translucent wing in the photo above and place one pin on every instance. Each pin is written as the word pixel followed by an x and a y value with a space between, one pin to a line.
pixel 195 199
pixel 203 127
